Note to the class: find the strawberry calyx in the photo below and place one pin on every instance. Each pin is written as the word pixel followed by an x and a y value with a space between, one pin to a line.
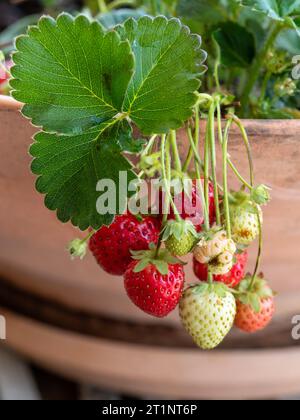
pixel 77 248
pixel 251 291
pixel 260 194
pixel 220 289
pixel 179 229
pixel 160 258
pixel 242 201
pixel 208 235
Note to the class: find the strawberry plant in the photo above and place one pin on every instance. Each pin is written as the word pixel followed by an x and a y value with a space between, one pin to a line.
pixel 111 104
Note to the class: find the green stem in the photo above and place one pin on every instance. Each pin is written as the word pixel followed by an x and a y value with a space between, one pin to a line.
pixel 118 3
pixel 198 173
pixel 217 64
pixel 210 278
pixel 206 169
pixel 258 64
pixel 102 6
pixel 260 244
pixel 173 141
pixel 264 88
pixel 238 175
pixel 220 135
pixel 88 236
pixel 149 146
pixel 166 181
pixel 213 160
pixel 225 184
pixel 197 139
pixel 238 122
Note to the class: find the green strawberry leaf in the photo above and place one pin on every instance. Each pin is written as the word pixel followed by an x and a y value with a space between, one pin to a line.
pixel 161 93
pixel 237 45
pixel 67 84
pixel 69 168
pixel 208 11
pixel 275 9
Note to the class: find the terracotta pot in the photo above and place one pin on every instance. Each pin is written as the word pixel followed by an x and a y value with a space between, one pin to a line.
pixel 53 303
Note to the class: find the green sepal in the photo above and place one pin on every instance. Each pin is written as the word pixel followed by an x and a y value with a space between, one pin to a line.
pixel 209 234
pixel 220 289
pixel 160 259
pixel 77 248
pixel 242 200
pixel 260 194
pixel 253 296
pixel 179 229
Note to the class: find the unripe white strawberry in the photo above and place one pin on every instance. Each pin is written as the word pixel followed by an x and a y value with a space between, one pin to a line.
pixel 245 224
pixel 207 313
pixel 216 250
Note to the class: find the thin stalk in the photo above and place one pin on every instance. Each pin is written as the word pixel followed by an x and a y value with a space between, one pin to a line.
pixel 258 258
pixel 238 122
pixel 210 278
pixel 166 204
pixel 217 64
pixel 149 146
pixel 198 173
pixel 206 168
pixel 118 3
pixel 238 175
pixel 197 138
pixel 165 156
pixel 220 135
pixel 264 87
pixel 225 184
pixel 88 236
pixel 213 160
pixel 258 64
pixel 176 156
pixel 102 6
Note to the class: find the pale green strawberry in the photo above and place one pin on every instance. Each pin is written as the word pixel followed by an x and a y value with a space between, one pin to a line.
pixel 245 224
pixel 246 214
pixel 179 237
pixel 207 313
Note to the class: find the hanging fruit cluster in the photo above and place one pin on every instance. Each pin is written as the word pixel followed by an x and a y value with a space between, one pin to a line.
pixel 90 90
pixel 207 220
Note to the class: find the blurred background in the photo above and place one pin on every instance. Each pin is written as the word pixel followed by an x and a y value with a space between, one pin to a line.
pixel 67 329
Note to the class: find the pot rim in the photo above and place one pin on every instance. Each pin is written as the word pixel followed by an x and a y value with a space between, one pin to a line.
pixel 274 126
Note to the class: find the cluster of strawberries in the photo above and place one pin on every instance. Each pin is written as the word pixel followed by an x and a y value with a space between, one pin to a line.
pixel 154 277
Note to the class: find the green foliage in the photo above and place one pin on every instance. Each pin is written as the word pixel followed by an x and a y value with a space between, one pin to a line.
pixel 236 44
pixel 81 84
pixel 275 9
pixel 67 84
pixel 116 17
pixel 166 52
pixel 69 167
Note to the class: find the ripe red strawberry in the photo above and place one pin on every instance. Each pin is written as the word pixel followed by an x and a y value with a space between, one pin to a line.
pixel 190 205
pixel 111 245
pixel 155 283
pixel 255 306
pixel 232 278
